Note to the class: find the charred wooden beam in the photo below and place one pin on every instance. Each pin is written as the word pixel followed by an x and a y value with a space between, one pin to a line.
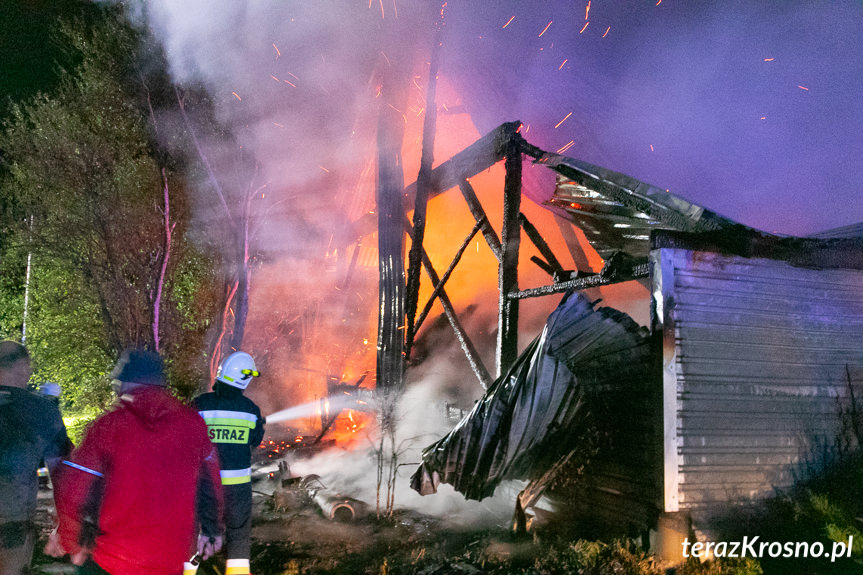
pixel 467 346
pixel 423 187
pixel 355 257
pixel 478 157
pixel 390 213
pixel 479 215
pixel 427 308
pixel 507 329
pixel 544 266
pixel 579 257
pixel 534 490
pixel 595 280
pixel 540 243
pixel 803 252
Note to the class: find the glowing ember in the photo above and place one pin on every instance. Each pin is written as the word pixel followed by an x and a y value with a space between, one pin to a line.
pixel 566 147
pixel 562 121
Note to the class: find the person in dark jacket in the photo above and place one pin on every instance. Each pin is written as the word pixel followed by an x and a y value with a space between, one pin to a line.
pixel 31 430
pixel 236 427
pixel 129 496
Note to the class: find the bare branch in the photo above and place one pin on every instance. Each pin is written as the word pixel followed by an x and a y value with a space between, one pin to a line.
pixel 210 173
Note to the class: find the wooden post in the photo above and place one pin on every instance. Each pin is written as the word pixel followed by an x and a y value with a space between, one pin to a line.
pixel 507 328
pixel 422 197
pixel 391 318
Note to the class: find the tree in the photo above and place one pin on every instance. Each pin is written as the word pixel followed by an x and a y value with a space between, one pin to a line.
pixel 109 214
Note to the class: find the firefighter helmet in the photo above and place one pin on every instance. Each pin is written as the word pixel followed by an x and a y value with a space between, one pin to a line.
pixel 237 370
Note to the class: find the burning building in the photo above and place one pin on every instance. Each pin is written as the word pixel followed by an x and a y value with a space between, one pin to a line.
pixel 735 390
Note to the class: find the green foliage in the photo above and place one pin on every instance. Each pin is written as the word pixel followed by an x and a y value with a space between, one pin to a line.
pixel 66 336
pixel 83 194
pixel 13 266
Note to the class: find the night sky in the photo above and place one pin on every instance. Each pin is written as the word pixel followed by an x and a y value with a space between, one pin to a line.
pixel 752 109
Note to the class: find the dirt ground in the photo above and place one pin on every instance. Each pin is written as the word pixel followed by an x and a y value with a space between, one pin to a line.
pixel 291 536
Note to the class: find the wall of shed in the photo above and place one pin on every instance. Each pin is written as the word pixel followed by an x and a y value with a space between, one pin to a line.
pixel 754 373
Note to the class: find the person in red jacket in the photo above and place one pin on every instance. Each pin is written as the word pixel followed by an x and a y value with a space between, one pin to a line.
pixel 129 497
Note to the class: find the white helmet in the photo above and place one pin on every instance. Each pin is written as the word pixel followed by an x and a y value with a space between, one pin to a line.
pixel 237 370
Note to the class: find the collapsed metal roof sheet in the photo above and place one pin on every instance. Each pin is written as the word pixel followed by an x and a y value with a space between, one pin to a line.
pixel 531 416
pixel 618 212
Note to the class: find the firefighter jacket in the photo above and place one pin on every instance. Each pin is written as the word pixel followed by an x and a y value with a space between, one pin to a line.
pixel 235 426
pixel 128 492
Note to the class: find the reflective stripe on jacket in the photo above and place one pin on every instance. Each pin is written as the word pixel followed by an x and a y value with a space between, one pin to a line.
pixel 235 427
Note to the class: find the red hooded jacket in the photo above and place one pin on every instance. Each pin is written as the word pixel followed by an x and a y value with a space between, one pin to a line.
pixel 139 470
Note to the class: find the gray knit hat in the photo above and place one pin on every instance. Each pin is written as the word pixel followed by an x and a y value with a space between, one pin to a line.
pixel 139 366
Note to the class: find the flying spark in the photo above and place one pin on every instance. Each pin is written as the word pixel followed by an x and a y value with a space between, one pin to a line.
pixel 563 64
pixel 274 78
pixel 237 95
pixel 659 2
pixel 566 147
pixel 802 87
pixel 769 59
pixel 587 9
pixel 277 50
pixel 507 22
pixel 562 121
pixel 292 84
pixel 606 32
pixel 585 27
pixel 651 147
pixel 324 169
pixel 763 117
pixel 544 29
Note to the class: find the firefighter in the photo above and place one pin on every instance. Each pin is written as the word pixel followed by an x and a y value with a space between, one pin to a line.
pixel 236 427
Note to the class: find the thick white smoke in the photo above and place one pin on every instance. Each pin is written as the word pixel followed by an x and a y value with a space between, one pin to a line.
pixel 422 420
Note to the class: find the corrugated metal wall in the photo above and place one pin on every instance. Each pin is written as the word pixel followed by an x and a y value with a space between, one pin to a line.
pixel 754 371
